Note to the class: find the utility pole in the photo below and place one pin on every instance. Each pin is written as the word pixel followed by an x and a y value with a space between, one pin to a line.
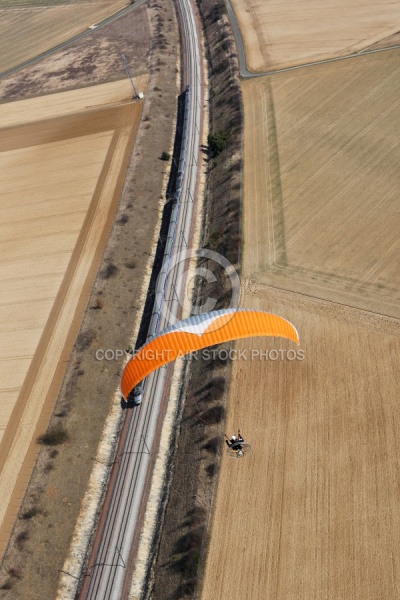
pixel 135 94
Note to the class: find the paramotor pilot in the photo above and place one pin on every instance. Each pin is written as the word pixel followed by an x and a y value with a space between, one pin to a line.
pixel 235 441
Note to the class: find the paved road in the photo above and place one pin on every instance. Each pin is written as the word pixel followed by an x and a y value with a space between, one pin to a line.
pixel 103 23
pixel 246 74
pixel 110 565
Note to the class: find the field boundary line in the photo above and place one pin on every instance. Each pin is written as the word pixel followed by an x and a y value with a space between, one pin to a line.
pixel 123 11
pixel 360 316
pixel 85 257
pixel 246 74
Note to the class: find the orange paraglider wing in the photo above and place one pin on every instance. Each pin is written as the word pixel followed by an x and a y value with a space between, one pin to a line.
pixel 199 332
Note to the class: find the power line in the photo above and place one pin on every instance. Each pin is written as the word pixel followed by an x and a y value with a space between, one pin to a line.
pixel 135 94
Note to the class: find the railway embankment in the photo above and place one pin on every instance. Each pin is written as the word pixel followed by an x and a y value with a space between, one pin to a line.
pixel 182 542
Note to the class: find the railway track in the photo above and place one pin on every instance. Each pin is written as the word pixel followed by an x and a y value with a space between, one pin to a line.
pixel 110 565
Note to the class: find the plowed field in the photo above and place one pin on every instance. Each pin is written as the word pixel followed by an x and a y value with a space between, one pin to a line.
pixel 60 181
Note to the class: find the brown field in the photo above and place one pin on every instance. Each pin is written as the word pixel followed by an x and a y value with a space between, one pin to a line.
pixel 314 511
pixel 28 31
pixel 324 166
pixel 60 179
pixel 281 34
pixel 67 103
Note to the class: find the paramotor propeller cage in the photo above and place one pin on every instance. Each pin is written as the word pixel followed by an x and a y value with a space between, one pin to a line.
pixel 238 450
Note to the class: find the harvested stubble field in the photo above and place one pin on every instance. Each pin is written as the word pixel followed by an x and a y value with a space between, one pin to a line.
pixel 313 511
pixel 61 180
pixel 53 106
pixel 281 34
pixel 29 30
pixel 323 175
